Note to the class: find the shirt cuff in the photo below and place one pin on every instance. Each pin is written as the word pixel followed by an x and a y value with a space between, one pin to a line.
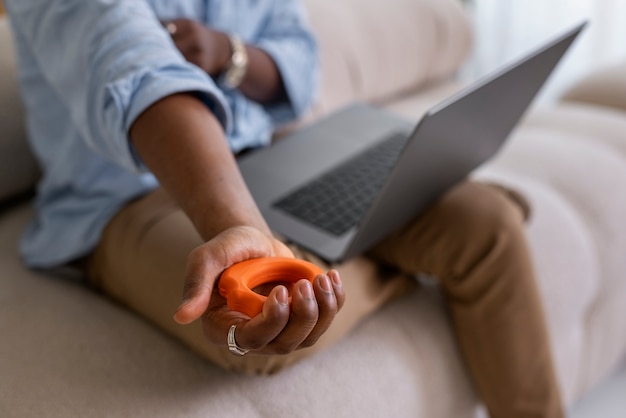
pixel 298 66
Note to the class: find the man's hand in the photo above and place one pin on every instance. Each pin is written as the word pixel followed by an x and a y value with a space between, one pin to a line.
pixel 182 143
pixel 201 45
pixel 210 50
pixel 279 329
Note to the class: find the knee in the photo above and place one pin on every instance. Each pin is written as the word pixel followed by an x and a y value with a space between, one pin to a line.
pixel 480 214
pixel 488 231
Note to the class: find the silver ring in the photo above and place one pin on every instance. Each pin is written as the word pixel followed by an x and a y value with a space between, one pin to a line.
pixel 232 344
pixel 171 28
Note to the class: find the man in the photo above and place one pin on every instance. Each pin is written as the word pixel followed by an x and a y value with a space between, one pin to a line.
pixel 135 111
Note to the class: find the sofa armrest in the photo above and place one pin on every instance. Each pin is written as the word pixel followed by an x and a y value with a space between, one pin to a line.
pixel 372 50
pixel 606 87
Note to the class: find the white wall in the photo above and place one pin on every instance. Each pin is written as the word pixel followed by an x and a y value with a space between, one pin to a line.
pixel 506 29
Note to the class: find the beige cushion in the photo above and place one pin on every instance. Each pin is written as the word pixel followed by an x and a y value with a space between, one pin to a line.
pixel 18 169
pixel 374 50
pixel 606 87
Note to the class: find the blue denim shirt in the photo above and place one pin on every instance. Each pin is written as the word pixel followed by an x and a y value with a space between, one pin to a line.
pixel 89 68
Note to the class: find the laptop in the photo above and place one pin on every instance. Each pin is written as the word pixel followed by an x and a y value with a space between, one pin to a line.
pixel 340 185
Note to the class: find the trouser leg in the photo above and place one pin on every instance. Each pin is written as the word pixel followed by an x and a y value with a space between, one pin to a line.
pixel 141 262
pixel 473 242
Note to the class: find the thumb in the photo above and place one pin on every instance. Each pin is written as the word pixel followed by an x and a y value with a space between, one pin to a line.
pixel 199 281
pixel 196 297
pixel 208 261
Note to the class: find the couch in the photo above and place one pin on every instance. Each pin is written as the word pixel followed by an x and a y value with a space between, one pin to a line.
pixel 66 351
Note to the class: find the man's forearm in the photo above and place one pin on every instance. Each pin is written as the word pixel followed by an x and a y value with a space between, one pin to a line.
pixel 183 144
pixel 263 83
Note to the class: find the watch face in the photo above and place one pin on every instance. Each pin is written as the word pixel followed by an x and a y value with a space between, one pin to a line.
pixel 238 59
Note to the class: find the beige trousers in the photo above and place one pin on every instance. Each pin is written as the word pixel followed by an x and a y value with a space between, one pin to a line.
pixel 472 241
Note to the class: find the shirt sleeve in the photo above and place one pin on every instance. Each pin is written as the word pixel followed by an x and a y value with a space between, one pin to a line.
pixel 288 39
pixel 108 61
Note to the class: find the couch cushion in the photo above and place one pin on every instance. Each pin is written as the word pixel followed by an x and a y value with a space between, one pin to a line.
pixel 374 50
pixel 18 169
pixel 606 87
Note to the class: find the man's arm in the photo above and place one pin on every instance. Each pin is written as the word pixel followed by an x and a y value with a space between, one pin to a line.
pixel 181 142
pixel 118 74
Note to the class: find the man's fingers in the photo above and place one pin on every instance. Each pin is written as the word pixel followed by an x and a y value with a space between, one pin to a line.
pixel 340 294
pixel 280 331
pixel 280 328
pixel 256 333
pixel 303 319
pixel 187 45
pixel 327 303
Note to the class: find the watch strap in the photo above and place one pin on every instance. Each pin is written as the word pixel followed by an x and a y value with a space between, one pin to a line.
pixel 238 64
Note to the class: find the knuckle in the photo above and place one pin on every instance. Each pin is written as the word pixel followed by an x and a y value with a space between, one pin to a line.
pixel 284 349
pixel 190 286
pixel 308 319
pixel 306 312
pixel 309 342
pixel 341 299
pixel 194 28
pixel 305 320
pixel 309 323
pixel 255 345
pixel 275 315
pixel 195 258
pixel 329 305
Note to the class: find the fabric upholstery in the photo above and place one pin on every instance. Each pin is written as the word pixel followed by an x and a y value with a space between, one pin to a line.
pixel 373 50
pixel 606 87
pixel 67 351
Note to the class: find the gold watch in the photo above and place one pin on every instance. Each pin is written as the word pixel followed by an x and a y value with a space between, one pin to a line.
pixel 238 65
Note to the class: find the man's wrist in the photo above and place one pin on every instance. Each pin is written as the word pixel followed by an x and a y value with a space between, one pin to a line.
pixel 237 65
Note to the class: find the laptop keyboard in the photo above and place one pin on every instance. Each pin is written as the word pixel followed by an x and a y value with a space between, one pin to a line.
pixel 337 200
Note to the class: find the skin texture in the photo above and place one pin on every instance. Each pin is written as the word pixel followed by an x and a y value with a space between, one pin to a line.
pixel 183 144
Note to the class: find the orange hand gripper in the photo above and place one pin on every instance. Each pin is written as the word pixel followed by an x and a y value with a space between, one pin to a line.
pixel 237 281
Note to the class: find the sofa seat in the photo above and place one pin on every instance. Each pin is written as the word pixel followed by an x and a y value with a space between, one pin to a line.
pixel 67 351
